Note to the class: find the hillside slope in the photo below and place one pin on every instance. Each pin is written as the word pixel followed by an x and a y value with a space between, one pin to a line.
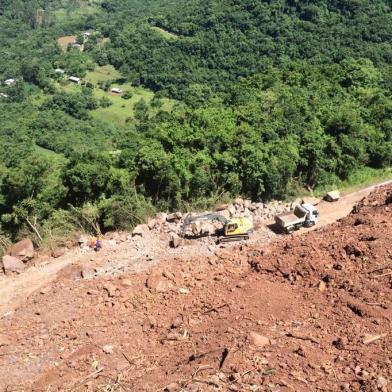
pixel 321 303
pixel 218 42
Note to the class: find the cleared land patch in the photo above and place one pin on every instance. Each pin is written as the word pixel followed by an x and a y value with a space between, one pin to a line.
pixel 164 33
pixel 121 110
pixel 65 41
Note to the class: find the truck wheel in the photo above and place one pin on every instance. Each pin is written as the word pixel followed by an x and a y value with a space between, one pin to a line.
pixel 290 230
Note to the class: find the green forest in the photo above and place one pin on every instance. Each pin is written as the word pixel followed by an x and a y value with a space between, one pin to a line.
pixel 215 98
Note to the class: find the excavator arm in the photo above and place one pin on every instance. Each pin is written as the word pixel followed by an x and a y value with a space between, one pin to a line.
pixel 202 218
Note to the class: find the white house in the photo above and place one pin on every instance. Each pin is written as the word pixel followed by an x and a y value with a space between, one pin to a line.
pixel 59 71
pixel 78 46
pixel 9 82
pixel 116 90
pixel 74 79
pixel 2 95
pixel 86 34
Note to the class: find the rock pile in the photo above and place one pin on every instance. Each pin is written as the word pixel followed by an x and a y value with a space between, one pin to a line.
pixel 172 224
pixel 19 254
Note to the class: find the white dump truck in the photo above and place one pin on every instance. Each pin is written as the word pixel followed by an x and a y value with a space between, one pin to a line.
pixel 304 215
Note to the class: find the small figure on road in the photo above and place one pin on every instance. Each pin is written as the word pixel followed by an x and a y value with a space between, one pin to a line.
pixel 98 244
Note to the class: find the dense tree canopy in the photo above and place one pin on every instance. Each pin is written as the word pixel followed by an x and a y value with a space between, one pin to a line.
pixel 268 95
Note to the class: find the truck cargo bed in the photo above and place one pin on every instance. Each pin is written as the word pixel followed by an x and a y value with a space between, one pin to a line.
pixel 288 219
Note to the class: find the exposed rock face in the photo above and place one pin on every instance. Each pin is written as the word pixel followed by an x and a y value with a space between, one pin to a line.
pixel 23 250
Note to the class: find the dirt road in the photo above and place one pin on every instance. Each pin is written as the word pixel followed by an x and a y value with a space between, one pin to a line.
pixel 126 256
pixel 331 212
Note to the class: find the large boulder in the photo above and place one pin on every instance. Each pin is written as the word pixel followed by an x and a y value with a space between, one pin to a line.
pixel 257 340
pixel 225 213
pixel 196 228
pixel 175 240
pixel 247 203
pixel 221 207
pixel 231 209
pixel 152 223
pixel 84 240
pixel 12 264
pixel 23 250
pixel 174 217
pixel 140 230
pixel 332 196
pixel 161 218
pixel 158 283
pixel 208 228
pixel 239 202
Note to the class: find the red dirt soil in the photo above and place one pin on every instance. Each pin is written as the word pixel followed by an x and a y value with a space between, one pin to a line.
pixel 187 325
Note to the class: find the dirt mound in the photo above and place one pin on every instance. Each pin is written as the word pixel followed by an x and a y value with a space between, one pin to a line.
pixel 312 312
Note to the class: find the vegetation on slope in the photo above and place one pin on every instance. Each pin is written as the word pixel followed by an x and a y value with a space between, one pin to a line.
pixel 219 98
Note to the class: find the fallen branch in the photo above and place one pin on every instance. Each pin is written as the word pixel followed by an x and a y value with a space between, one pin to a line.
pixel 382 275
pixel 131 362
pixel 195 357
pixel 199 369
pixel 208 382
pixel 216 308
pixel 301 337
pixel 94 374
pixel 372 338
pixel 242 375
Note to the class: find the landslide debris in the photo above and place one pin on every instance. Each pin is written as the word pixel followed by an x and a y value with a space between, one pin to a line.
pixel 311 312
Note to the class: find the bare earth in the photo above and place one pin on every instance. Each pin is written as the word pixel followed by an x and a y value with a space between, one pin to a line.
pixel 64 41
pixel 321 302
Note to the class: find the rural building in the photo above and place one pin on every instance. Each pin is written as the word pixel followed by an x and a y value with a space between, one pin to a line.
pixel 9 82
pixel 74 79
pixel 59 71
pixel 86 34
pixel 116 90
pixel 2 95
pixel 80 47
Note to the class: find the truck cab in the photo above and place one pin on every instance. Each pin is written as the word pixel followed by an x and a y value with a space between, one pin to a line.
pixel 311 214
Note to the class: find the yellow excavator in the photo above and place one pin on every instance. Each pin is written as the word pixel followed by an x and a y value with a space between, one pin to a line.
pixel 234 229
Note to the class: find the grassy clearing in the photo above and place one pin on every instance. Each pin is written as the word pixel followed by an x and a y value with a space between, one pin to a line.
pixel 121 110
pixel 53 156
pixel 360 179
pixel 73 13
pixel 166 34
pixel 102 74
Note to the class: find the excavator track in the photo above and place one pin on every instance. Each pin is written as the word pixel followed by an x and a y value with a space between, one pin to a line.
pixel 233 238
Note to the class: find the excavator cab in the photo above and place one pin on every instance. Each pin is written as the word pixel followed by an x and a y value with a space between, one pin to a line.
pixel 231 227
pixel 238 229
